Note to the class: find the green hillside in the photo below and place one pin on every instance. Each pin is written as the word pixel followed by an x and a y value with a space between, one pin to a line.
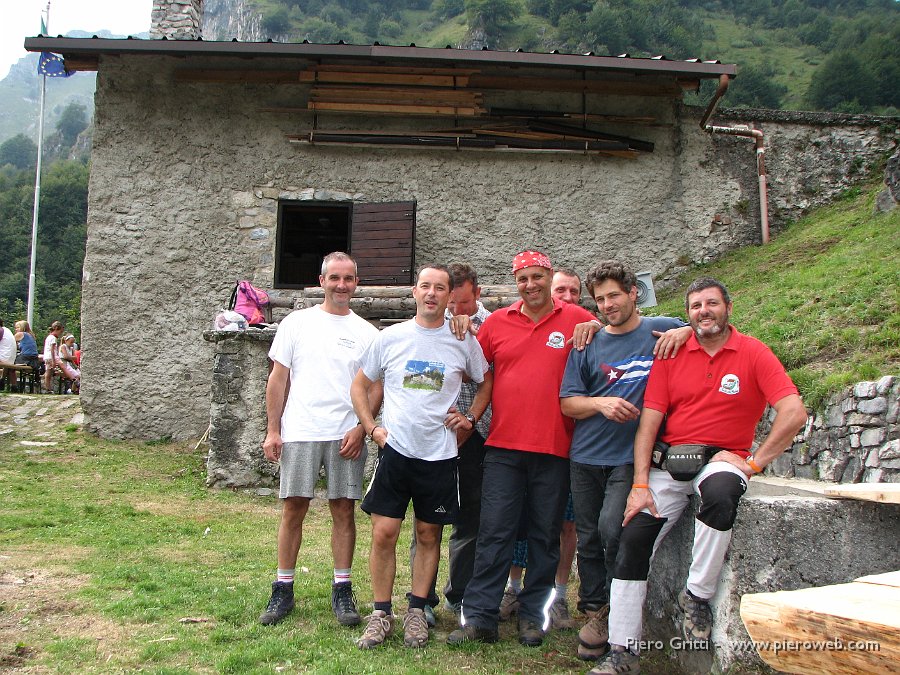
pixel 837 55
pixel 825 294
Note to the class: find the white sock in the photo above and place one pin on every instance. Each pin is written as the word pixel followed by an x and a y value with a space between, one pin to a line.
pixel 285 576
pixel 341 576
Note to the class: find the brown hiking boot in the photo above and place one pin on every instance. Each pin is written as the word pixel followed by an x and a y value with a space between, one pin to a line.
pixel 593 638
pixel 415 628
pixel 379 627
pixel 560 619
pixel 509 605
pixel 618 663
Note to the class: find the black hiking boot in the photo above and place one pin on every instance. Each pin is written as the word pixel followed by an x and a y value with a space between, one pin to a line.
pixel 280 604
pixel 344 604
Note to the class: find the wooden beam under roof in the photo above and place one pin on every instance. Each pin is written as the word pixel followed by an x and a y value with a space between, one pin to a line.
pixel 633 87
pixel 396 108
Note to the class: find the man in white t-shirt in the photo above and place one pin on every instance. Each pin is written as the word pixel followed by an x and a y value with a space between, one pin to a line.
pixel 315 355
pixel 422 365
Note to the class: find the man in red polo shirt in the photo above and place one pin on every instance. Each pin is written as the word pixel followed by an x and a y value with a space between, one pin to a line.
pixel 526 462
pixel 712 394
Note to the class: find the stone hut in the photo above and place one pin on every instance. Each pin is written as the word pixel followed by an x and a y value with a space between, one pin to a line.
pixel 219 161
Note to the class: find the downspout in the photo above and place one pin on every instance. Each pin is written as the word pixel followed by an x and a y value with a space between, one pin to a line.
pixel 747 132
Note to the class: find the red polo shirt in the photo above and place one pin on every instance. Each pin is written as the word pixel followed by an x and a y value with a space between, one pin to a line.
pixel 529 360
pixel 717 400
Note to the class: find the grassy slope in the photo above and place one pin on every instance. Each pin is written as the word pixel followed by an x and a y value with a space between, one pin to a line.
pixel 825 294
pixel 736 43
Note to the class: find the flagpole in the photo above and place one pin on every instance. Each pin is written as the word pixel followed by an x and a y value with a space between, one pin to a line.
pixel 37 192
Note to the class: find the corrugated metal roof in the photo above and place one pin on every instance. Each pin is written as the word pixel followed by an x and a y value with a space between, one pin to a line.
pixel 624 63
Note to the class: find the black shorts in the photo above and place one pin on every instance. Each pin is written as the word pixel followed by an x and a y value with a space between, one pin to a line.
pixel 432 487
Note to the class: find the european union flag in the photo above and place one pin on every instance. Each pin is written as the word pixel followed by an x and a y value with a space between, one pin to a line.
pixel 52 65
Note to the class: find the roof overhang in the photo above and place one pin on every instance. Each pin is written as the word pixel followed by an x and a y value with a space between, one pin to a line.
pixel 84 53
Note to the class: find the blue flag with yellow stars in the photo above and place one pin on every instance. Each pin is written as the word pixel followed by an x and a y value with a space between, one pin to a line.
pixel 51 65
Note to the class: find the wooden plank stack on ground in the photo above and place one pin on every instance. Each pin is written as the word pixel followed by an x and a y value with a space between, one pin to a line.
pixel 842 629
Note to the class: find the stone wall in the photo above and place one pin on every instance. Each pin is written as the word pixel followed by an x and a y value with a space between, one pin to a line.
pixel 176 19
pixel 186 179
pixel 856 438
pixel 238 410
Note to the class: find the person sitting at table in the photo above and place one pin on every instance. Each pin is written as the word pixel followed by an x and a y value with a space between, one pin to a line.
pixel 28 352
pixel 67 363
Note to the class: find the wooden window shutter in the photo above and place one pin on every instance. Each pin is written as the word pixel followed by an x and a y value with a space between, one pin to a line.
pixel 382 240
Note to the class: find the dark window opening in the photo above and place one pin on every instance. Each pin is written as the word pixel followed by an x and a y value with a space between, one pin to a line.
pixel 306 234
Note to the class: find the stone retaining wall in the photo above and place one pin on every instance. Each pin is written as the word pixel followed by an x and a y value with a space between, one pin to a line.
pixel 856 438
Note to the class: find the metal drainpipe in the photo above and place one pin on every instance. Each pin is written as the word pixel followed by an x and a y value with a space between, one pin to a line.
pixel 746 131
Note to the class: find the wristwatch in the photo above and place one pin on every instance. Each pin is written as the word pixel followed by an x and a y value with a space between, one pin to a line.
pixel 469 416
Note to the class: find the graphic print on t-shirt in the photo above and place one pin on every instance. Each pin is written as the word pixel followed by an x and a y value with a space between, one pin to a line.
pixel 630 372
pixel 424 375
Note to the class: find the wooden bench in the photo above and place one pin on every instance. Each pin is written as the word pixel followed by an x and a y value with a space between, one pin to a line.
pixel 25 375
pixel 847 628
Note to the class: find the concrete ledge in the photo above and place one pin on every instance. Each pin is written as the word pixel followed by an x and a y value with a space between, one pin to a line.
pixel 787 536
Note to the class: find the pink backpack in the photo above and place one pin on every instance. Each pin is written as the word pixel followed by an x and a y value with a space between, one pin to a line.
pixel 250 302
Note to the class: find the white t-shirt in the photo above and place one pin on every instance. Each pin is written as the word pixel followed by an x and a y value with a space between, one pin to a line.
pixel 48 348
pixel 7 345
pixel 423 370
pixel 323 352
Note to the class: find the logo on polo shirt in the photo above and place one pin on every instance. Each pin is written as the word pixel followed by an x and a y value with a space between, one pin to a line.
pixel 556 340
pixel 730 385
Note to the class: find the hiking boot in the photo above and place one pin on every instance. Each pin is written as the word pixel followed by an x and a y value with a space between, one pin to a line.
pixel 429 616
pixel 415 628
pixel 594 635
pixel 509 605
pixel 530 633
pixel 280 604
pixel 559 615
pixel 470 633
pixel 343 604
pixel 697 622
pixel 379 627
pixel 617 663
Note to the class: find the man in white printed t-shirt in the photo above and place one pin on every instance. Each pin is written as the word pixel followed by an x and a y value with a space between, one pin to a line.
pixel 422 365
pixel 315 355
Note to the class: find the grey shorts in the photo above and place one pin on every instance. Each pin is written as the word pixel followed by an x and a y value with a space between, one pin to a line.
pixel 300 464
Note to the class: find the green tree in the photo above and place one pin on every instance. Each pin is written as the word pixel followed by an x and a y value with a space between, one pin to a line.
pixel 842 80
pixel 492 16
pixel 277 22
pixel 72 122
pixel 18 151
pixel 756 87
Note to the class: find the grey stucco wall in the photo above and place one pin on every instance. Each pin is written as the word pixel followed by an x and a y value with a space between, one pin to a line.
pixel 186 177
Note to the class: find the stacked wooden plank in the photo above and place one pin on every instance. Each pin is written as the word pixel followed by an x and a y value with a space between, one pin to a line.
pixel 848 628
pixel 382 89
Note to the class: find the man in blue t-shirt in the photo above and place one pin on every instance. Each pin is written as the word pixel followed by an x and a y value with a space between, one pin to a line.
pixel 603 390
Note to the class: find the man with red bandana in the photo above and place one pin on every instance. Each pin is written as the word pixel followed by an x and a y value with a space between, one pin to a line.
pixel 526 462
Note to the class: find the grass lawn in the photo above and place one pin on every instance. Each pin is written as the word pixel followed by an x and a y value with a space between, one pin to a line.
pixel 114 557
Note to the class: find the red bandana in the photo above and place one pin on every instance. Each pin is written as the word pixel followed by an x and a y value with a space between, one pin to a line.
pixel 530 259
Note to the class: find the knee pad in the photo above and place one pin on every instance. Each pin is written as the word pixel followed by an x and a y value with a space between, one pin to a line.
pixel 719 497
pixel 636 547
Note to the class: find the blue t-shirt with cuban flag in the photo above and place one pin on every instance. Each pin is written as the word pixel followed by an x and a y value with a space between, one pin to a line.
pixel 612 365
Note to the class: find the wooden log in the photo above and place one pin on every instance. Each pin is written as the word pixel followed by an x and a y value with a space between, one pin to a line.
pixel 842 629
pixel 401 78
pixel 396 108
pixel 887 493
pixel 666 88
